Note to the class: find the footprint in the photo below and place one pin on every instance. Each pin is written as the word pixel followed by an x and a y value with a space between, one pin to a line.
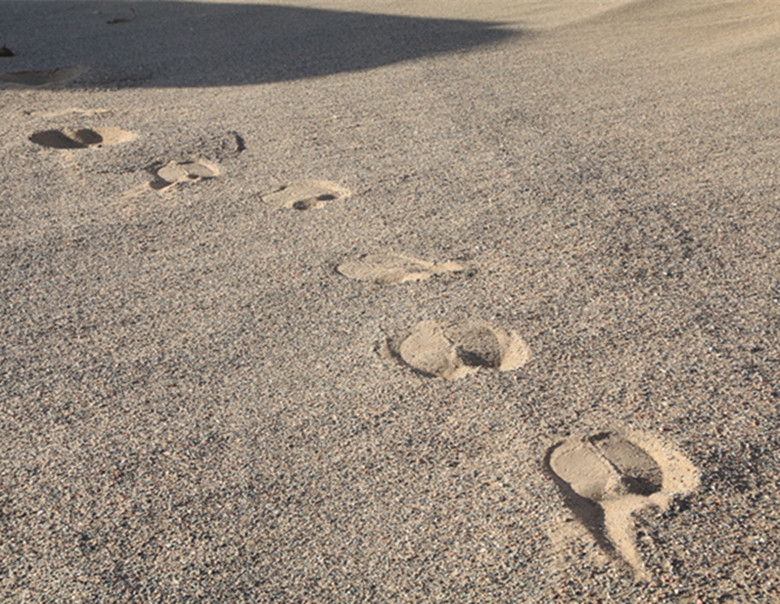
pixel 608 477
pixel 306 195
pixel 50 77
pixel 454 350
pixel 180 172
pixel 123 19
pixel 81 139
pixel 390 269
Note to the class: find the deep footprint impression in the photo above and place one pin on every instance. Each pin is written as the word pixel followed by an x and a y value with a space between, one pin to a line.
pixel 607 477
pixel 389 269
pixel 306 195
pixel 181 172
pixel 458 349
pixel 82 139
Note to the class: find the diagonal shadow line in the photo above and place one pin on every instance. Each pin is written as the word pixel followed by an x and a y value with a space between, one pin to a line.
pixel 182 44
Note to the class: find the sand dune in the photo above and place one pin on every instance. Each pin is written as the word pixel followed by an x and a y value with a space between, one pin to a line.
pixel 555 221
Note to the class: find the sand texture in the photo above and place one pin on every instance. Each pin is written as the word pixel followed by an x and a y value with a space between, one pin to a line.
pixel 390 301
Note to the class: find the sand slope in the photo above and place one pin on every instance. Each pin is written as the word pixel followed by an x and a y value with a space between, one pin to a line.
pixel 192 403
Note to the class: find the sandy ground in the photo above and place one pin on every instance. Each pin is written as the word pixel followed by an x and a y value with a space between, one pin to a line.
pixel 195 400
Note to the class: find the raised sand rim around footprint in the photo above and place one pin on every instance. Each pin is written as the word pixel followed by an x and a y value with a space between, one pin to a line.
pixel 608 477
pixel 390 269
pixel 181 172
pixel 451 351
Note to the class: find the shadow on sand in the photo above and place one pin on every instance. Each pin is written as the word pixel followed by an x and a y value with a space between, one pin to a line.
pixel 181 44
pixel 589 513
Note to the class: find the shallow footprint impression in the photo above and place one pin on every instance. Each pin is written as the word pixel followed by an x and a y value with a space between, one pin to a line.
pixel 306 195
pixel 454 350
pixel 82 138
pixel 180 172
pixel 38 79
pixel 606 478
pixel 388 269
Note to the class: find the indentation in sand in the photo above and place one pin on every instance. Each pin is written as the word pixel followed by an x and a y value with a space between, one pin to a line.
pixel 390 269
pixel 83 138
pixel 181 172
pixel 454 350
pixel 49 113
pixel 118 20
pixel 306 195
pixel 50 77
pixel 606 478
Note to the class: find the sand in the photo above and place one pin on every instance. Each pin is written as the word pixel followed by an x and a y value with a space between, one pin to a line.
pixel 559 220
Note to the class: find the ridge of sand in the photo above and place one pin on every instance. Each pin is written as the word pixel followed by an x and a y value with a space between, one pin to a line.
pixel 535 14
pixel 50 113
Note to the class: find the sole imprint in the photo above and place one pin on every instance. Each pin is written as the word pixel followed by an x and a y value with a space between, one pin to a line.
pixel 81 139
pixel 606 478
pixel 50 77
pixel 455 350
pixel 306 195
pixel 390 269
pixel 180 172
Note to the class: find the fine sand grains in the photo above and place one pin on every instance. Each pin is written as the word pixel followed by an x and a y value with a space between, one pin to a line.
pixel 455 350
pixel 608 477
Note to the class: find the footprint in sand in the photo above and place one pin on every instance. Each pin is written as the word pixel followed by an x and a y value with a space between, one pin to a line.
pixel 83 138
pixel 181 172
pixel 607 477
pixel 37 79
pixel 306 195
pixel 453 350
pixel 389 269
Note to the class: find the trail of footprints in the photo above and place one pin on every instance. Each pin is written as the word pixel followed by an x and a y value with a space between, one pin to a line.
pixel 604 478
